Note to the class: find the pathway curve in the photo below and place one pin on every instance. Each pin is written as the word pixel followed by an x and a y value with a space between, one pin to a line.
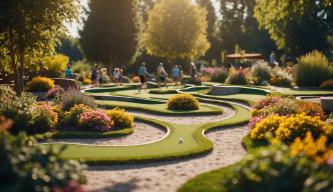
pixel 142 133
pixel 169 176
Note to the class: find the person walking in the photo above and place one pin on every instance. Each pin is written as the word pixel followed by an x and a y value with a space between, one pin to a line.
pixel 116 75
pixel 161 75
pixel 176 75
pixel 96 75
pixel 68 72
pixel 142 74
pixel 121 73
pixel 193 71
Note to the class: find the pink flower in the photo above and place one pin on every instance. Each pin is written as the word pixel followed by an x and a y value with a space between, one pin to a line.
pixel 254 121
pixel 97 120
pixel 53 92
pixel 330 161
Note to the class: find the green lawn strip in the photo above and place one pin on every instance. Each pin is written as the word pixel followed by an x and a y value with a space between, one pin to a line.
pixel 168 148
pixel 87 134
pixel 208 182
pixel 247 99
pixel 159 108
pixel 308 92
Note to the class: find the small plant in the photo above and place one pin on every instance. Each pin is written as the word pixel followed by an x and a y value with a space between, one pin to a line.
pixel 44 119
pixel 40 84
pixel 280 78
pixel 312 69
pixel 56 91
pixel 72 116
pixel 183 102
pixel 237 77
pixel 97 120
pixel 20 110
pixel 27 166
pixel 121 118
pixel 74 97
pixel 262 71
pixel 220 76
pixel 6 93
pixel 327 84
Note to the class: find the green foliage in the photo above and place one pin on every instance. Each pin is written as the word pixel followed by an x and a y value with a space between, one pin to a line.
pixel 220 76
pixel 20 111
pixel 81 66
pixel 262 71
pixel 111 38
pixel 312 69
pixel 74 97
pixel 183 102
pixel 56 64
pixel 297 26
pixel 27 166
pixel 239 27
pixel 6 93
pixel 269 169
pixel 176 29
pixel 30 30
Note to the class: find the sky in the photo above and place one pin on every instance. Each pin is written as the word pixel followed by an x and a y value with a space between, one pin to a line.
pixel 75 27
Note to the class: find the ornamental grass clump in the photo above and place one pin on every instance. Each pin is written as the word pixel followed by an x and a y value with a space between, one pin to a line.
pixel 183 102
pixel 40 84
pixel 74 97
pixel 312 70
pixel 261 71
pixel 121 118
pixel 96 120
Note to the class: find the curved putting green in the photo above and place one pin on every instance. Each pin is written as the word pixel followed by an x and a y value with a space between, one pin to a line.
pixel 194 142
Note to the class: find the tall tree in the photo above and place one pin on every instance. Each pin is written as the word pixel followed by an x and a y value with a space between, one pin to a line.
pixel 297 26
pixel 145 7
pixel 31 29
pixel 214 52
pixel 176 29
pixel 111 32
pixel 239 27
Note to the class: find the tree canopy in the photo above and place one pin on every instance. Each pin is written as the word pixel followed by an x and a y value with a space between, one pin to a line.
pixel 176 29
pixel 296 26
pixel 239 27
pixel 31 29
pixel 111 32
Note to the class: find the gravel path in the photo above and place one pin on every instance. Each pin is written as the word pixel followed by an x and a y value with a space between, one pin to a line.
pixel 168 176
pixel 143 133
pixel 189 119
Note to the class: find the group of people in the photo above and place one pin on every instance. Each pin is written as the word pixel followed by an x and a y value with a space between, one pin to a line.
pixel 97 75
pixel 161 76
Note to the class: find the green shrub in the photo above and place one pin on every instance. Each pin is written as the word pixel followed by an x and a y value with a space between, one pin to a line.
pixel 262 71
pixel 183 102
pixel 237 77
pixel 81 66
pixel 312 69
pixel 280 78
pixel 220 76
pixel 72 116
pixel 74 97
pixel 45 119
pixel 56 64
pixel 40 84
pixel 6 93
pixel 27 166
pixel 121 118
pixel 20 110
pixel 270 169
